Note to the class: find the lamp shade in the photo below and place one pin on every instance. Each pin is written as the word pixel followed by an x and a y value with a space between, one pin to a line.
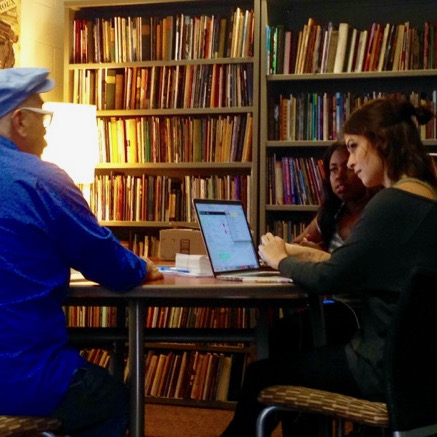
pixel 72 140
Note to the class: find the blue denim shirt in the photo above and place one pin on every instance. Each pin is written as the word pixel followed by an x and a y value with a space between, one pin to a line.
pixel 46 227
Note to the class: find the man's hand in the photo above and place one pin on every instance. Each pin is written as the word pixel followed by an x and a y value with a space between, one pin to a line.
pixel 153 273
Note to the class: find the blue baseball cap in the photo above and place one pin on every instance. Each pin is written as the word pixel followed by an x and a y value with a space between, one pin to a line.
pixel 17 84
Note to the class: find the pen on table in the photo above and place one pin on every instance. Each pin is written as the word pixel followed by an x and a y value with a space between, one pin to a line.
pixel 173 269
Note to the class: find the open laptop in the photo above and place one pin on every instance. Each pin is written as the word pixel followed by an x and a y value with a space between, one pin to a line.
pixel 229 243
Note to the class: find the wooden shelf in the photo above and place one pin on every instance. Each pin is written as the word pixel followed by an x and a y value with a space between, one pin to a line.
pixel 292 208
pixel 352 76
pixel 212 61
pixel 191 403
pixel 174 111
pixel 148 224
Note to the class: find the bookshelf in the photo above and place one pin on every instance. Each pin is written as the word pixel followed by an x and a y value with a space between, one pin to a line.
pixel 309 83
pixel 213 346
pixel 197 375
pixel 177 105
pixel 99 332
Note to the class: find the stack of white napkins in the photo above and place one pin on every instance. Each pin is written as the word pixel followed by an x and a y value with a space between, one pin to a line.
pixel 194 265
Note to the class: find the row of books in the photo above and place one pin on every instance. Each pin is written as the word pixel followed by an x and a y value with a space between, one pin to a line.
pixel 165 87
pixel 199 317
pixel 188 374
pixel 81 316
pixel 98 356
pixel 287 229
pixel 343 48
pixel 163 317
pixel 142 244
pixel 320 116
pixel 161 198
pixel 294 181
pixel 194 375
pixel 173 37
pixel 176 139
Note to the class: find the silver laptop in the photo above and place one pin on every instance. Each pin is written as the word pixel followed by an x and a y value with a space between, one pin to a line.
pixel 229 243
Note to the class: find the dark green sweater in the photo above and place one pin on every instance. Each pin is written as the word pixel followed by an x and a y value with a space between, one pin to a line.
pixel 398 231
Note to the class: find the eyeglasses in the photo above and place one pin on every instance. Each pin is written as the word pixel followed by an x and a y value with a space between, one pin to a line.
pixel 46 115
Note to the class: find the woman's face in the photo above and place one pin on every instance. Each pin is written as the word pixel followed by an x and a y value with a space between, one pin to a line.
pixel 365 161
pixel 344 182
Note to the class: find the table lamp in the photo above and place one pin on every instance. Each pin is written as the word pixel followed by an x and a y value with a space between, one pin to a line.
pixel 72 142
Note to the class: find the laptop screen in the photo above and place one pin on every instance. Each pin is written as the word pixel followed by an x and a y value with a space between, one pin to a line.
pixel 226 235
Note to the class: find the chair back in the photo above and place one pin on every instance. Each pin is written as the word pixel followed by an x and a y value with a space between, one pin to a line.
pixel 411 355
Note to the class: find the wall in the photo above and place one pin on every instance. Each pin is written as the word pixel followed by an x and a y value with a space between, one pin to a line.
pixel 42 40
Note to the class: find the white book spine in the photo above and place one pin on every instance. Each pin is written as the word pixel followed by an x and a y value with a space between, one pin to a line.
pixel 343 29
pixel 361 51
pixel 352 53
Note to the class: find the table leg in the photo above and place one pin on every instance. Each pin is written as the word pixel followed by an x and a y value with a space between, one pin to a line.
pixel 317 318
pixel 262 334
pixel 136 367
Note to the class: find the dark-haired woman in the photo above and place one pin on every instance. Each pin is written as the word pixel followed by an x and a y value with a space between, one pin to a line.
pixel 344 198
pixel 396 233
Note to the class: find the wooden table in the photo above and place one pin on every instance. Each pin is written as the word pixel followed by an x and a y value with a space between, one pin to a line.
pixel 176 290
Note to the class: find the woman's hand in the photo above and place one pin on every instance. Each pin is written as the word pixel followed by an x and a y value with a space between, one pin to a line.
pixel 306 253
pixel 272 250
pixel 153 273
pixel 309 243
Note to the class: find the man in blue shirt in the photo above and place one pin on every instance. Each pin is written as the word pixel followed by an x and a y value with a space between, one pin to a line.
pixel 46 228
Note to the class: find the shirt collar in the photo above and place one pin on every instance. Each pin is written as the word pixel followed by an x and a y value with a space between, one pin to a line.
pixel 5 142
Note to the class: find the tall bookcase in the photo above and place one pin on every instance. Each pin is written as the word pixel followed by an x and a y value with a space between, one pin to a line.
pixel 177 105
pixel 176 89
pixel 307 105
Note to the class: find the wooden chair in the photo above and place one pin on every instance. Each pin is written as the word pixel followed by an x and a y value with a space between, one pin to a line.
pixel 26 426
pixel 410 368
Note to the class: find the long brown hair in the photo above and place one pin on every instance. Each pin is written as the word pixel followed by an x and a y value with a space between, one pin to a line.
pixel 388 123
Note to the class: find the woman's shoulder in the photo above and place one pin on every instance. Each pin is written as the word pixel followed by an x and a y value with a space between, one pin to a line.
pixel 416 186
pixel 393 200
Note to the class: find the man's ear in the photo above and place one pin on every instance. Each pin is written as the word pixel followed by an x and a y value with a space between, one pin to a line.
pixel 18 124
